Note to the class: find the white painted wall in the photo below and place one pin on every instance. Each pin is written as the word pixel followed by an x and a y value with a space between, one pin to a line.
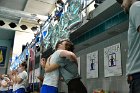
pixel 21 38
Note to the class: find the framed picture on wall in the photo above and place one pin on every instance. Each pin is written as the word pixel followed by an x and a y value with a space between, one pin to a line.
pixel 112 60
pixel 3 50
pixel 92 65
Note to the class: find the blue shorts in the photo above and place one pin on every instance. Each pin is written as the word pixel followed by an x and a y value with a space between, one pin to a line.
pixel 20 90
pixel 3 92
pixel 10 91
pixel 48 89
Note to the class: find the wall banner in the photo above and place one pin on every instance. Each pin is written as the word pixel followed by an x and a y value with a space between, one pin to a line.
pixel 92 65
pixel 112 61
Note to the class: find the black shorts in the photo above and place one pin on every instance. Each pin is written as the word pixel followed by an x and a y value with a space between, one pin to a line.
pixel 76 86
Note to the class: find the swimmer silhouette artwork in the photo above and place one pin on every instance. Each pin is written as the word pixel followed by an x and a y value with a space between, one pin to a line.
pixel 92 65
pixel 112 60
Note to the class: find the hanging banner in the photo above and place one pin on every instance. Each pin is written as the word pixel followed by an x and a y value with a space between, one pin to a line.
pixel 3 50
pixel 32 81
pixel 112 60
pixel 78 61
pixel 37 73
pixel 30 77
pixel 92 65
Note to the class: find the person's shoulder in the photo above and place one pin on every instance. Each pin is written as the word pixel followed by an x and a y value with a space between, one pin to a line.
pixel 24 72
pixel 136 4
pixel 59 51
pixel 64 51
pixel 135 8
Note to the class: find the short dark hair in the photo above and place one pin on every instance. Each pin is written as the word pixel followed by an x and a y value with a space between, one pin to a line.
pixel 69 45
pixel 24 64
pixel 120 1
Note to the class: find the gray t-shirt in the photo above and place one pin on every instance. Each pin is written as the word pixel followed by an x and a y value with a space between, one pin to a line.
pixel 68 69
pixel 133 63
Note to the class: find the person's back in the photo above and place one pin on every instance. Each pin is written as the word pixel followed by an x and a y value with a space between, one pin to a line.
pixel 69 71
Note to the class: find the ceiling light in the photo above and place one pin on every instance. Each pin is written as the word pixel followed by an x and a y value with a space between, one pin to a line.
pixel 23 27
pixel 12 25
pixel 34 28
pixel 2 23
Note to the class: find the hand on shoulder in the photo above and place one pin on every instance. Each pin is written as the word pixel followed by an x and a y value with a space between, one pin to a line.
pixel 68 54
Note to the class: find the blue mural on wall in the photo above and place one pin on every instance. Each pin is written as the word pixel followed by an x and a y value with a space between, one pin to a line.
pixel 3 50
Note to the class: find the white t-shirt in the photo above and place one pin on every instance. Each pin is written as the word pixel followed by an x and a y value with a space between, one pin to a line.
pixel 51 78
pixel 14 87
pixel 23 75
pixel 10 87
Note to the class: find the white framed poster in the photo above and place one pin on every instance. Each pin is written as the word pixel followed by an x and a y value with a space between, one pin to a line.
pixel 78 60
pixel 112 61
pixel 92 65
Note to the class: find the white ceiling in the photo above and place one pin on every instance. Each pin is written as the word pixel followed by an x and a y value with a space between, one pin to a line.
pixel 37 7
pixel 14 4
pixel 41 7
pixel 15 10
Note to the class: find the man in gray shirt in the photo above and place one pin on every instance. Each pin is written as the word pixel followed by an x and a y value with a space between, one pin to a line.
pixel 132 7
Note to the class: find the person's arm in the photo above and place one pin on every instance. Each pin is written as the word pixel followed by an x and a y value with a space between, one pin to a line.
pixel 69 55
pixel 4 83
pixel 50 67
pixel 18 79
pixel 14 72
pixel 43 62
pixel 3 75
pixel 41 78
pixel 13 79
